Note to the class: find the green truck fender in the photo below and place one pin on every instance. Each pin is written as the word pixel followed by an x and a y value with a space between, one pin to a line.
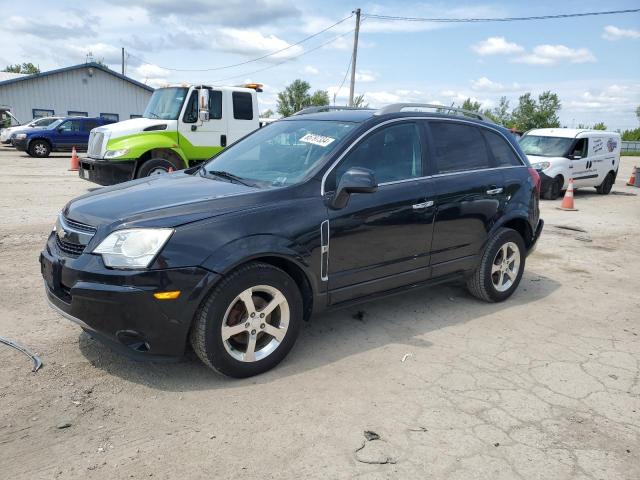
pixel 138 145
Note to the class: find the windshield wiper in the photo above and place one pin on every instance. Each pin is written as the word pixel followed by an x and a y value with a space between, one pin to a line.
pixel 230 176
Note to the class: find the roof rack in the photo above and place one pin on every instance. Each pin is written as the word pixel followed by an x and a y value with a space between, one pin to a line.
pixel 327 108
pixel 399 107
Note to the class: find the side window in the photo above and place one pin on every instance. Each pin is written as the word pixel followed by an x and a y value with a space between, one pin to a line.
pixel 90 125
pixel 191 112
pixel 42 112
pixel 242 106
pixel 393 153
pixel 458 147
pixel 114 117
pixel 581 148
pixel 215 104
pixel 503 154
pixel 76 113
pixel 71 126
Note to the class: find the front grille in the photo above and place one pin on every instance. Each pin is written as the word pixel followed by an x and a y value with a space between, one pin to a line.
pixel 94 150
pixel 80 226
pixel 71 249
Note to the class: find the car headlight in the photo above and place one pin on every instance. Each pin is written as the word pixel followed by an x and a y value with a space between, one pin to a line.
pixel 116 153
pixel 20 136
pixel 133 248
pixel 541 165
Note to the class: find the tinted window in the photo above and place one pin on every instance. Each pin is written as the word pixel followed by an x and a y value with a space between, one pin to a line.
pixel 242 106
pixel 114 117
pixel 393 153
pixel 458 147
pixel 71 126
pixel 90 125
pixel 215 104
pixel 503 154
pixel 581 148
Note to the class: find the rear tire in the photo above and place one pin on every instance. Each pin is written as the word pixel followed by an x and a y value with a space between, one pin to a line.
pixel 230 340
pixel 554 189
pixel 607 184
pixel 156 166
pixel 39 149
pixel 500 269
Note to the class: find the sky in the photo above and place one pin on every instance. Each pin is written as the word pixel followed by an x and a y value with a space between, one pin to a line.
pixel 592 63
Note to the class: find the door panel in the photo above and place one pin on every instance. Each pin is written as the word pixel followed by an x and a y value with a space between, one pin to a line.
pixel 201 140
pixel 70 135
pixel 379 235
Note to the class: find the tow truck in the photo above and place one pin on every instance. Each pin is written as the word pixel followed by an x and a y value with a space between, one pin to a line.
pixel 182 126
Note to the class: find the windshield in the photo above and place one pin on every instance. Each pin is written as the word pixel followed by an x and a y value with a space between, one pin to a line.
pixel 43 122
pixel 282 153
pixel 166 103
pixel 545 146
pixel 54 124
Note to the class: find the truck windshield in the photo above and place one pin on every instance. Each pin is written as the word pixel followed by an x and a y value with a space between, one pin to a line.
pixel 166 103
pixel 280 154
pixel 545 146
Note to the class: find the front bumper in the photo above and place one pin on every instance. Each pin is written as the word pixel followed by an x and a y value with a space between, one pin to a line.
pixel 107 172
pixel 19 144
pixel 545 180
pixel 119 306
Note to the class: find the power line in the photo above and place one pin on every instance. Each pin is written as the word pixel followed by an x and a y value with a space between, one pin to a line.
pixel 247 61
pixel 499 19
pixel 284 61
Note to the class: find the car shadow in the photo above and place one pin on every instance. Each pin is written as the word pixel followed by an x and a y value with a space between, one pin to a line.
pixel 332 336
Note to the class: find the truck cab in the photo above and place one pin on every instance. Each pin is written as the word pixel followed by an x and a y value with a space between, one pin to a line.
pixel 182 126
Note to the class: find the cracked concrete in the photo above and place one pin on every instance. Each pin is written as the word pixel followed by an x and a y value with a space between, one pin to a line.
pixel 544 386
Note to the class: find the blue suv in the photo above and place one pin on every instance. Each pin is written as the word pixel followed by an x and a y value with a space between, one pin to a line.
pixel 60 136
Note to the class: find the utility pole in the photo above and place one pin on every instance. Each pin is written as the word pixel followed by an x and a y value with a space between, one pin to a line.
pixel 122 60
pixel 353 59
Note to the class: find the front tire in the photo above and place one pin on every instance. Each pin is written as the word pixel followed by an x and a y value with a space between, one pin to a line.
pixel 249 322
pixel 607 184
pixel 500 269
pixel 39 149
pixel 156 166
pixel 554 189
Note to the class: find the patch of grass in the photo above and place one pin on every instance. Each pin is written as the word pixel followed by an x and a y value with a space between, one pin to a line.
pixel 630 154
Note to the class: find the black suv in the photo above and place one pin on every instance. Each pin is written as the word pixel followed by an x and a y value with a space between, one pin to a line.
pixel 312 212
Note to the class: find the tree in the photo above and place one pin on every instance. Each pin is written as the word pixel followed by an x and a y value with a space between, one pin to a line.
pixel 501 113
pixel 26 68
pixel 470 105
pixel 358 101
pixel 600 126
pixel 638 112
pixel 296 96
pixel 267 113
pixel 542 113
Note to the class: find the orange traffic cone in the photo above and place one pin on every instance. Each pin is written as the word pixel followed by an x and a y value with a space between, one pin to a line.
pixel 632 180
pixel 567 201
pixel 75 161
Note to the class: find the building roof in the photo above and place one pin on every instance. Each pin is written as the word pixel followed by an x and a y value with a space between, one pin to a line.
pixel 95 65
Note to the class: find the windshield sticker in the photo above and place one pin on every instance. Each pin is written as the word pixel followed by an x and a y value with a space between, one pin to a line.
pixel 317 139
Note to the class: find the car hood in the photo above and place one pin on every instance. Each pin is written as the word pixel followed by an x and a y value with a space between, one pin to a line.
pixel 166 200
pixel 135 125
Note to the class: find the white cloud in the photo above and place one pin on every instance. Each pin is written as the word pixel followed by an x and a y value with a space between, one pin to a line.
pixel 496 46
pixel 552 54
pixel 252 42
pixel 311 70
pixel 614 33
pixel 365 76
pixel 483 84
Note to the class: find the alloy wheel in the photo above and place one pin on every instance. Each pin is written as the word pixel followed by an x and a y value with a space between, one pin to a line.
pixel 505 267
pixel 255 323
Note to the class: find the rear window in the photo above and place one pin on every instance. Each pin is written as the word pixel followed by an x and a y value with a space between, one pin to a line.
pixel 242 106
pixel 458 147
pixel 503 154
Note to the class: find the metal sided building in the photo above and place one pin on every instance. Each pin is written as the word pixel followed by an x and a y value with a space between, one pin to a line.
pixel 89 89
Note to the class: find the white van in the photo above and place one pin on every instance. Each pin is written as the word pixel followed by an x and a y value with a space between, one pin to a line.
pixel 590 157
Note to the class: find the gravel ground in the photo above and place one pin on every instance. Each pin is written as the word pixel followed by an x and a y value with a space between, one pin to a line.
pixel 543 386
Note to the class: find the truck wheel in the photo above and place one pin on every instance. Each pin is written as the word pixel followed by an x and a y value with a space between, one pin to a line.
pixel 500 268
pixel 605 187
pixel 39 148
pixel 249 322
pixel 156 166
pixel 554 189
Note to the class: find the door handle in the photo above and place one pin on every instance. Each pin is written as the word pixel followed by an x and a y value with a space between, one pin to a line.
pixel 223 140
pixel 494 191
pixel 194 128
pixel 423 205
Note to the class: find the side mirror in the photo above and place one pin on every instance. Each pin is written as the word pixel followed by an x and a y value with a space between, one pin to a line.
pixel 203 105
pixel 354 180
pixel 575 157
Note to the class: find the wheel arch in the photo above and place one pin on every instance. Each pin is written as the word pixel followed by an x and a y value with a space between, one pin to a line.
pixel 44 139
pixel 519 223
pixel 170 154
